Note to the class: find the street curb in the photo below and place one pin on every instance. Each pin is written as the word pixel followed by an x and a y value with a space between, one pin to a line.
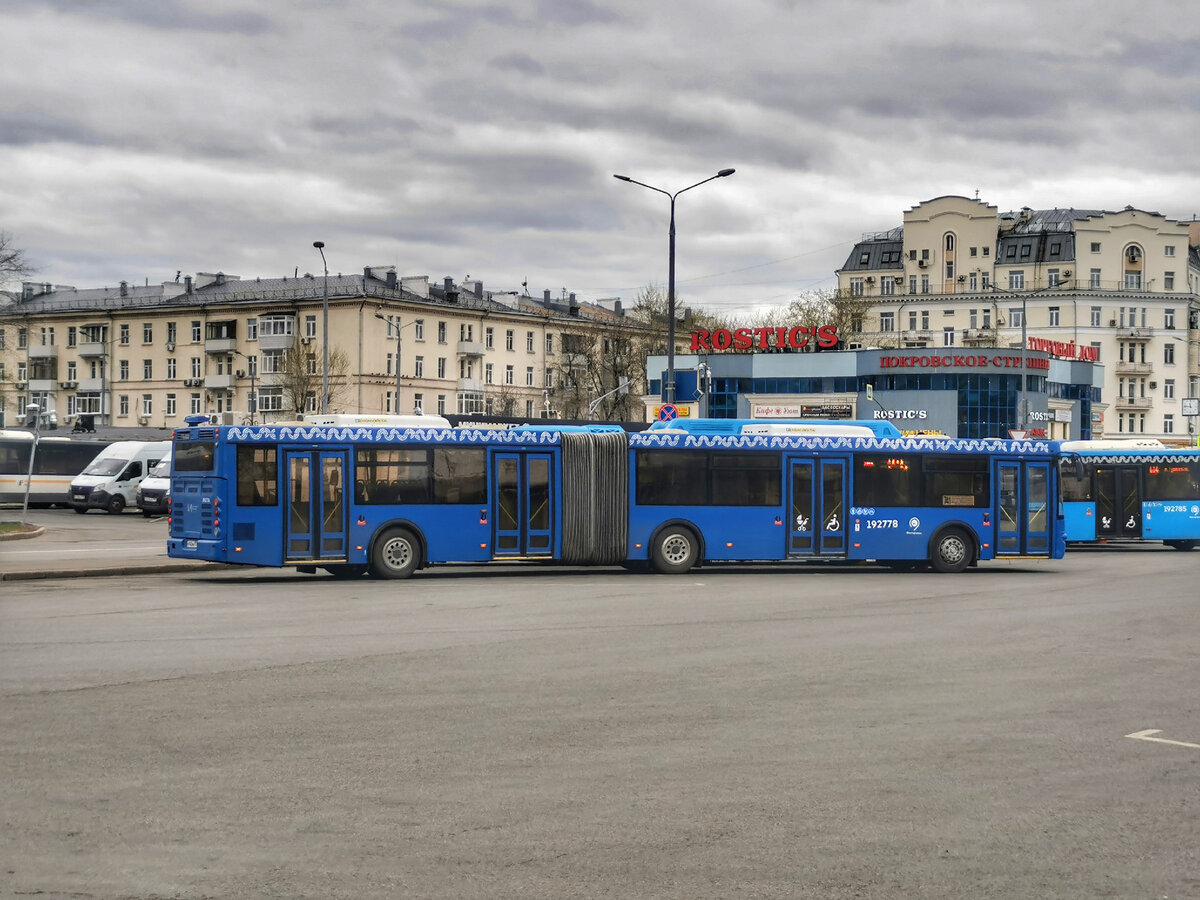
pixel 38 531
pixel 34 575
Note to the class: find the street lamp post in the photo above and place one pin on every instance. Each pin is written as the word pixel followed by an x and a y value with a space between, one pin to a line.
pixel 37 430
pixel 320 245
pixel 669 388
pixel 379 315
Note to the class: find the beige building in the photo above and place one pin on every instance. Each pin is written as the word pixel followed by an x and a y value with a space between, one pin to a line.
pixel 252 350
pixel 1121 288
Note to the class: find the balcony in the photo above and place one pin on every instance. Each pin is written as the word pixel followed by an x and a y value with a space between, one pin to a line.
pixel 278 341
pixel 1133 403
pixel 1129 333
pixel 914 334
pixel 1133 368
pixel 91 384
pixel 42 385
pixel 49 351
pixel 92 348
pixel 470 385
pixel 470 348
pixel 219 382
pixel 220 345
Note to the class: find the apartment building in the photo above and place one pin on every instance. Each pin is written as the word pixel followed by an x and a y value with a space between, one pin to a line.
pixel 1119 289
pixel 253 349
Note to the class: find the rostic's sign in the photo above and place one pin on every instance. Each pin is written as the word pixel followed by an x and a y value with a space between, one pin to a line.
pixel 795 338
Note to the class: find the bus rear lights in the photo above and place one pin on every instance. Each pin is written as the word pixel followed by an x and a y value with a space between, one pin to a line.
pixel 237 549
pixel 483 546
pixel 729 543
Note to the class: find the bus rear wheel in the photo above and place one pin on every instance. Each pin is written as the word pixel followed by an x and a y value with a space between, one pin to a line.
pixel 346 570
pixel 395 554
pixel 675 550
pixel 952 551
pixel 1182 545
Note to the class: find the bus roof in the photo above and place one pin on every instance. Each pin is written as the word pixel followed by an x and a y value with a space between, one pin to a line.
pixel 371 419
pixel 818 427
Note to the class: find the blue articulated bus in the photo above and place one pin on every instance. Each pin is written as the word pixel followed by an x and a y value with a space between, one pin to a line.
pixel 395 494
pixel 1131 490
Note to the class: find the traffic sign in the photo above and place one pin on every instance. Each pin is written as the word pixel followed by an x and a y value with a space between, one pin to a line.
pixel 667 412
pixel 1017 434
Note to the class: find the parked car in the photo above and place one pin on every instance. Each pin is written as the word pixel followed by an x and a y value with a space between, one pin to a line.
pixel 154 493
pixel 111 480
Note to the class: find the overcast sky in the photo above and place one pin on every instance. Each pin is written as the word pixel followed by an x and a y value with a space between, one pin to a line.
pixel 139 138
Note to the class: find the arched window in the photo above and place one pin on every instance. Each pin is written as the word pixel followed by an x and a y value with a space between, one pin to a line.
pixel 949 243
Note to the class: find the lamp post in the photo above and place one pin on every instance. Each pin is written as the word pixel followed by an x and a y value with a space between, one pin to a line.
pixel 320 245
pixel 379 315
pixel 1022 400
pixel 669 388
pixel 37 430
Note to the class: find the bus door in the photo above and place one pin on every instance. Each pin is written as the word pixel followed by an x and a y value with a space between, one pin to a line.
pixel 317 521
pixel 817 501
pixel 1118 502
pixel 522 501
pixel 1025 508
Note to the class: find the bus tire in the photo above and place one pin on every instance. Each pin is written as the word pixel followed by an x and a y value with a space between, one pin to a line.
pixel 396 554
pixel 675 550
pixel 116 504
pixel 952 551
pixel 1182 545
pixel 82 510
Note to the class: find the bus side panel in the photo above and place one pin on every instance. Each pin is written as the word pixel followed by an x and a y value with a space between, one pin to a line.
pixel 1081 520
pixel 452 532
pixel 1171 520
pixel 905 533
pixel 197 528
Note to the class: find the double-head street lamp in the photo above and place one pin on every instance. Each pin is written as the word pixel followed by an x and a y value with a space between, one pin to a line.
pixel 669 388
pixel 320 245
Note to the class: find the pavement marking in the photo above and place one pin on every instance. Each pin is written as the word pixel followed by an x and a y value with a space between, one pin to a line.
pixel 1145 736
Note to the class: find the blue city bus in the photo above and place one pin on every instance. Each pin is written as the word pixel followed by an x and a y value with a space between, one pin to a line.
pixel 1131 490
pixel 390 495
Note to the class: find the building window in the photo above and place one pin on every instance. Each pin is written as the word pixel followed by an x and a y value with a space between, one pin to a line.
pixel 147 404
pixel 924 284
pixel 196 332
pixel 529 342
pixel 1016 316
pixel 549 344
pixel 1053 277
pixel 1169 354
pixel 1016 280
pixel 508 374
pixel 529 376
pixel 252 329
pixel 856 287
pixel 273 325
pixel 947 337
pixel 508 339
pixel 171 365
pixel 489 338
pixel 419 367
pixel 888 286
pixel 1169 250
pixel 1095 317
pixel 466 331
pixel 441 367
pixel 147 332
pixel 1054 317
pixel 441 404
pixel 272 361
pixel 418 403
pixel 1133 281
pixel 887 321
pixel 310 326
pixel 123 370
pixel 1168 424
pixel 419 330
pixel 123 405
pixel 1095 246
pixel 124 332
pixel 170 404
pixel 1169 389
pixel 1169 318
pixel 487 373
pixel 1094 279
pixel 441 332
pixel 1168 281
pixel 195 367
pixel 72 336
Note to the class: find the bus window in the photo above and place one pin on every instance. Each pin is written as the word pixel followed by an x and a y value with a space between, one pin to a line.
pixel 957 481
pixel 1173 481
pixel 887 481
pixel 257 476
pixel 194 456
pixel 746 479
pixel 459 476
pixel 672 478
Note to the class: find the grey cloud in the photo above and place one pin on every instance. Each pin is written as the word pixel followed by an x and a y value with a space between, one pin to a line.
pixel 24 127
pixel 162 14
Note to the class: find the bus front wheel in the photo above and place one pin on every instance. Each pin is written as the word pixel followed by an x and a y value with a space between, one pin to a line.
pixel 395 554
pixel 952 551
pixel 1182 545
pixel 675 550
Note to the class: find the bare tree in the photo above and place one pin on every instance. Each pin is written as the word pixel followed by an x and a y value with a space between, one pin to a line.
pixel 299 375
pixel 605 366
pixel 14 264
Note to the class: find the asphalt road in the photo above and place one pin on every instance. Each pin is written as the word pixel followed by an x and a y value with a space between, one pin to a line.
pixel 828 732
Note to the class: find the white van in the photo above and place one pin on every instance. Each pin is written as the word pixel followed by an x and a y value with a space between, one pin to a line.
pixel 154 493
pixel 112 479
